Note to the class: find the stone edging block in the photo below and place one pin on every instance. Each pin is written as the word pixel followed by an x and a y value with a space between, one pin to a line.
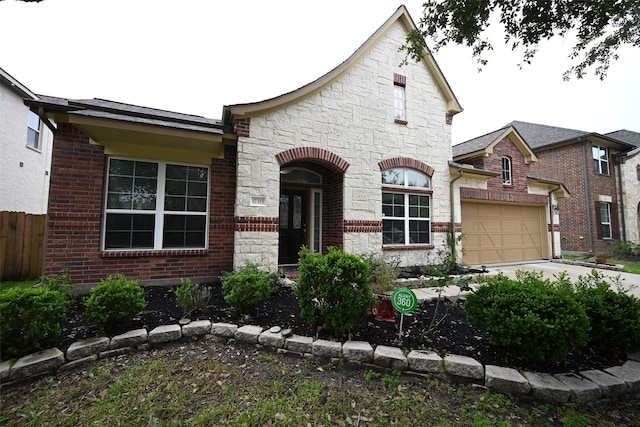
pixel 165 333
pixel 129 339
pixel 390 357
pixel 547 387
pixel 611 386
pixel 357 351
pixel 299 344
pixel 582 390
pixel 425 361
pixel 505 380
pixel 196 328
pixel 248 334
pixel 87 347
pixel 324 348
pixel 463 366
pixel 37 363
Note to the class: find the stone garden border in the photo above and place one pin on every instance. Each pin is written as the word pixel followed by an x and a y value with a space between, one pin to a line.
pixel 582 387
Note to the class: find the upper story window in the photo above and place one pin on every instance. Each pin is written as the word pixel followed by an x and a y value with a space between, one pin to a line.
pixel 600 160
pixel 155 205
pixel 406 207
pixel 399 105
pixel 33 130
pixel 506 171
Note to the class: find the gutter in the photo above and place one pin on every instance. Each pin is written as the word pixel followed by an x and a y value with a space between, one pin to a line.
pixel 453 216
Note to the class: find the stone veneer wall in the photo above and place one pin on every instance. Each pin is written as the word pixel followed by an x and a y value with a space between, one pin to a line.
pixel 352 117
pixel 631 195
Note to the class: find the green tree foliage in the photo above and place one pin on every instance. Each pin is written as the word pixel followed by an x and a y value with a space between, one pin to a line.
pixel 600 28
pixel 192 296
pixel 333 289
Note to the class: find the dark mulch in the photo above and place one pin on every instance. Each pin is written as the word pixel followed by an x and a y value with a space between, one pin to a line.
pixel 454 335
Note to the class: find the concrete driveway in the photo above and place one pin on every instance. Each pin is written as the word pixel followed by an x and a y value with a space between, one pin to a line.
pixel 549 269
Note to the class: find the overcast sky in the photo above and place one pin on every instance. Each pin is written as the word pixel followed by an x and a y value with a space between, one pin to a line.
pixel 195 56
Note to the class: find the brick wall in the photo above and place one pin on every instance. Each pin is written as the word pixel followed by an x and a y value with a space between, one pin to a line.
pixel 573 165
pixel 75 217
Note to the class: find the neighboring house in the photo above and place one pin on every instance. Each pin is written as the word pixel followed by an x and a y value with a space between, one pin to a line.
pixel 629 184
pixel 585 163
pixel 25 150
pixel 507 212
pixel 358 159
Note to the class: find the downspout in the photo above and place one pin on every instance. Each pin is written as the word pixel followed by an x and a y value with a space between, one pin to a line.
pixel 621 213
pixel 453 216
pixel 587 189
pixel 553 238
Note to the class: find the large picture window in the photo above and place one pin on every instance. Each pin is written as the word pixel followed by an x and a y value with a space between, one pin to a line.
pixel 155 205
pixel 406 207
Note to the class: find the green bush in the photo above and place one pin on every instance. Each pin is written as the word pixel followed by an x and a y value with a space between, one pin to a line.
pixel 114 302
pixel 30 318
pixel 614 316
pixel 382 273
pixel 247 288
pixel 192 297
pixel 61 283
pixel 333 289
pixel 627 250
pixel 535 318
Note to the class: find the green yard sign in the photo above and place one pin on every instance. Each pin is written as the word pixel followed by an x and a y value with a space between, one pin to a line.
pixel 404 300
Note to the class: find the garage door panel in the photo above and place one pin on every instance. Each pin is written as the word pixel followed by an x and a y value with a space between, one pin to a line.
pixel 503 233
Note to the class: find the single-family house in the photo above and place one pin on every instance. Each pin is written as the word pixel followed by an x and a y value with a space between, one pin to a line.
pixel 357 159
pixel 588 164
pixel 508 213
pixel 25 150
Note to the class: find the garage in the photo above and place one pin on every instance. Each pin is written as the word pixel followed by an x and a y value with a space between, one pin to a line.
pixel 498 233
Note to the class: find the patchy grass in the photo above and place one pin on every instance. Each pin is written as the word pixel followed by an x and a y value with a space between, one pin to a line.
pixel 204 384
pixel 629 266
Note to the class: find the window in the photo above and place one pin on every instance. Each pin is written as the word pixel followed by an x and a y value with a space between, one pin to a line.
pixel 506 171
pixel 406 208
pixel 33 131
pixel 600 160
pixel 153 205
pixel 399 83
pixel 605 220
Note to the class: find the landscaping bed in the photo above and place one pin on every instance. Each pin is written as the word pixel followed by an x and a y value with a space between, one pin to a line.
pixel 454 335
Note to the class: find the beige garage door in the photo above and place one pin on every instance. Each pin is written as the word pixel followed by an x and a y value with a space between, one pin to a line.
pixel 495 233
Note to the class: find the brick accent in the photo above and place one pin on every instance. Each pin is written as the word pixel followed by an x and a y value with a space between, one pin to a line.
pixel 399 79
pixel 314 155
pixel 448 119
pixel 400 162
pixel 257 223
pixel 362 226
pixel 408 248
pixel 502 196
pixel 441 227
pixel 243 127
pixel 75 220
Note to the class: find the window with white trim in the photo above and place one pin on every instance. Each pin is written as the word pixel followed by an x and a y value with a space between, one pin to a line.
pixel 506 171
pixel 600 160
pixel 406 207
pixel 399 105
pixel 605 220
pixel 155 205
pixel 33 130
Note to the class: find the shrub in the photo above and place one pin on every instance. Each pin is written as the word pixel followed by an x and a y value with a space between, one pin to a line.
pixel 534 318
pixel 114 302
pixel 627 250
pixel 192 297
pixel 614 316
pixel 30 318
pixel 247 288
pixel 333 289
pixel 382 273
pixel 61 283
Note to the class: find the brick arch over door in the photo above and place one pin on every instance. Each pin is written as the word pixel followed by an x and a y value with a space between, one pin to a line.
pixel 314 155
pixel 400 162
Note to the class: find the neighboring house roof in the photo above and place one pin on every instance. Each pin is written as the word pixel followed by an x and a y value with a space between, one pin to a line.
pixel 627 136
pixel 538 137
pixel 484 144
pixel 14 84
pixel 401 15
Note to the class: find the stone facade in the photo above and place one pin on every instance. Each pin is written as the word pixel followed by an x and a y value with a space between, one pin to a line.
pixel 630 177
pixel 347 128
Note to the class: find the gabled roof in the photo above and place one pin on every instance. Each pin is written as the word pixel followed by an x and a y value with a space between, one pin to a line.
pixel 539 137
pixel 401 15
pixel 627 136
pixel 14 84
pixel 483 145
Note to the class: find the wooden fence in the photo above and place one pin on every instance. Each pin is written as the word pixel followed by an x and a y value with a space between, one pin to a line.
pixel 22 238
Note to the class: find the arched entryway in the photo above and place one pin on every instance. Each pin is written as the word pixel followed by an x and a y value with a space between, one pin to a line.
pixel 311 211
